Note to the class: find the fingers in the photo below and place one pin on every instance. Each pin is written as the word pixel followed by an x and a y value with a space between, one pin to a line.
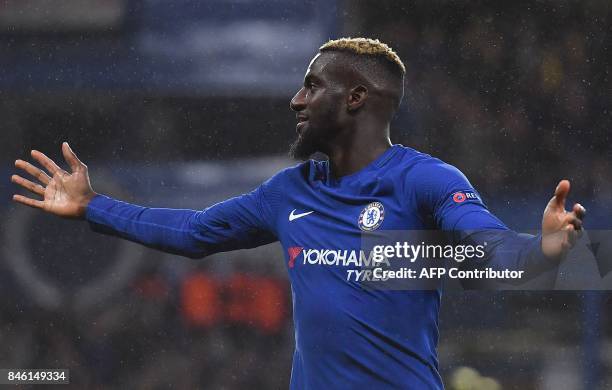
pixel 570 238
pixel 28 185
pixel 579 210
pixel 46 162
pixel 70 157
pixel 33 171
pixel 573 227
pixel 37 204
pixel 575 217
pixel 561 193
pixel 571 219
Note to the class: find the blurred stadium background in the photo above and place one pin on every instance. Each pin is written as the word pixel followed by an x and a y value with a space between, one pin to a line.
pixel 184 103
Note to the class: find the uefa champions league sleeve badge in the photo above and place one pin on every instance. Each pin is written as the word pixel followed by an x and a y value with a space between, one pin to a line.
pixel 371 216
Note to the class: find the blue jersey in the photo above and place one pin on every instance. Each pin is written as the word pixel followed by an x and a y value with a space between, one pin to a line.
pixel 346 337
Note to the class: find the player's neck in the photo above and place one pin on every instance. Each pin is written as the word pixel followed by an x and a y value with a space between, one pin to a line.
pixel 357 152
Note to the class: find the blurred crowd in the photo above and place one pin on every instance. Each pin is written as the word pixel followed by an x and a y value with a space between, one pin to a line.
pixel 208 332
pixel 515 94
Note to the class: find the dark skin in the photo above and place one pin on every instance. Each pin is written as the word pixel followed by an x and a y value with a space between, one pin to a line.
pixel 347 116
pixel 353 133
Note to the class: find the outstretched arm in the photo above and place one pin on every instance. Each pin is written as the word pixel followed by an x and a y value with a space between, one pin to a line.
pixel 240 222
pixel 532 254
pixel 457 208
pixel 232 224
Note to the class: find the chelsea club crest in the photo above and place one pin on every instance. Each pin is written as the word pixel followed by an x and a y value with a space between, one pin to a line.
pixel 371 216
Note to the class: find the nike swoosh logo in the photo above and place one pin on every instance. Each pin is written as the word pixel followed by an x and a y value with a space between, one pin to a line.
pixel 294 216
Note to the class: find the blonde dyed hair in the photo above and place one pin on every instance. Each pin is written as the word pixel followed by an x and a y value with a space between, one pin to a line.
pixel 365 46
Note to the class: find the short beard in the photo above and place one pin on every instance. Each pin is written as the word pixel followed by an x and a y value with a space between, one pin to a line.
pixel 316 139
pixel 303 147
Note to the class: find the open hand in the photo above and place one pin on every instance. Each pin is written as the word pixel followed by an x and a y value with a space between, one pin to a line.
pixel 561 228
pixel 65 194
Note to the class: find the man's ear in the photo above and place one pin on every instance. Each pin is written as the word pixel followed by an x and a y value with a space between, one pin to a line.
pixel 357 97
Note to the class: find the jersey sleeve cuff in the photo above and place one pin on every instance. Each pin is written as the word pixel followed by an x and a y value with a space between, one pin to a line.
pixel 539 262
pixel 96 206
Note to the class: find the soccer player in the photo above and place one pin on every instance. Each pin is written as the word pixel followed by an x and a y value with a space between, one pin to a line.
pixel 346 337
